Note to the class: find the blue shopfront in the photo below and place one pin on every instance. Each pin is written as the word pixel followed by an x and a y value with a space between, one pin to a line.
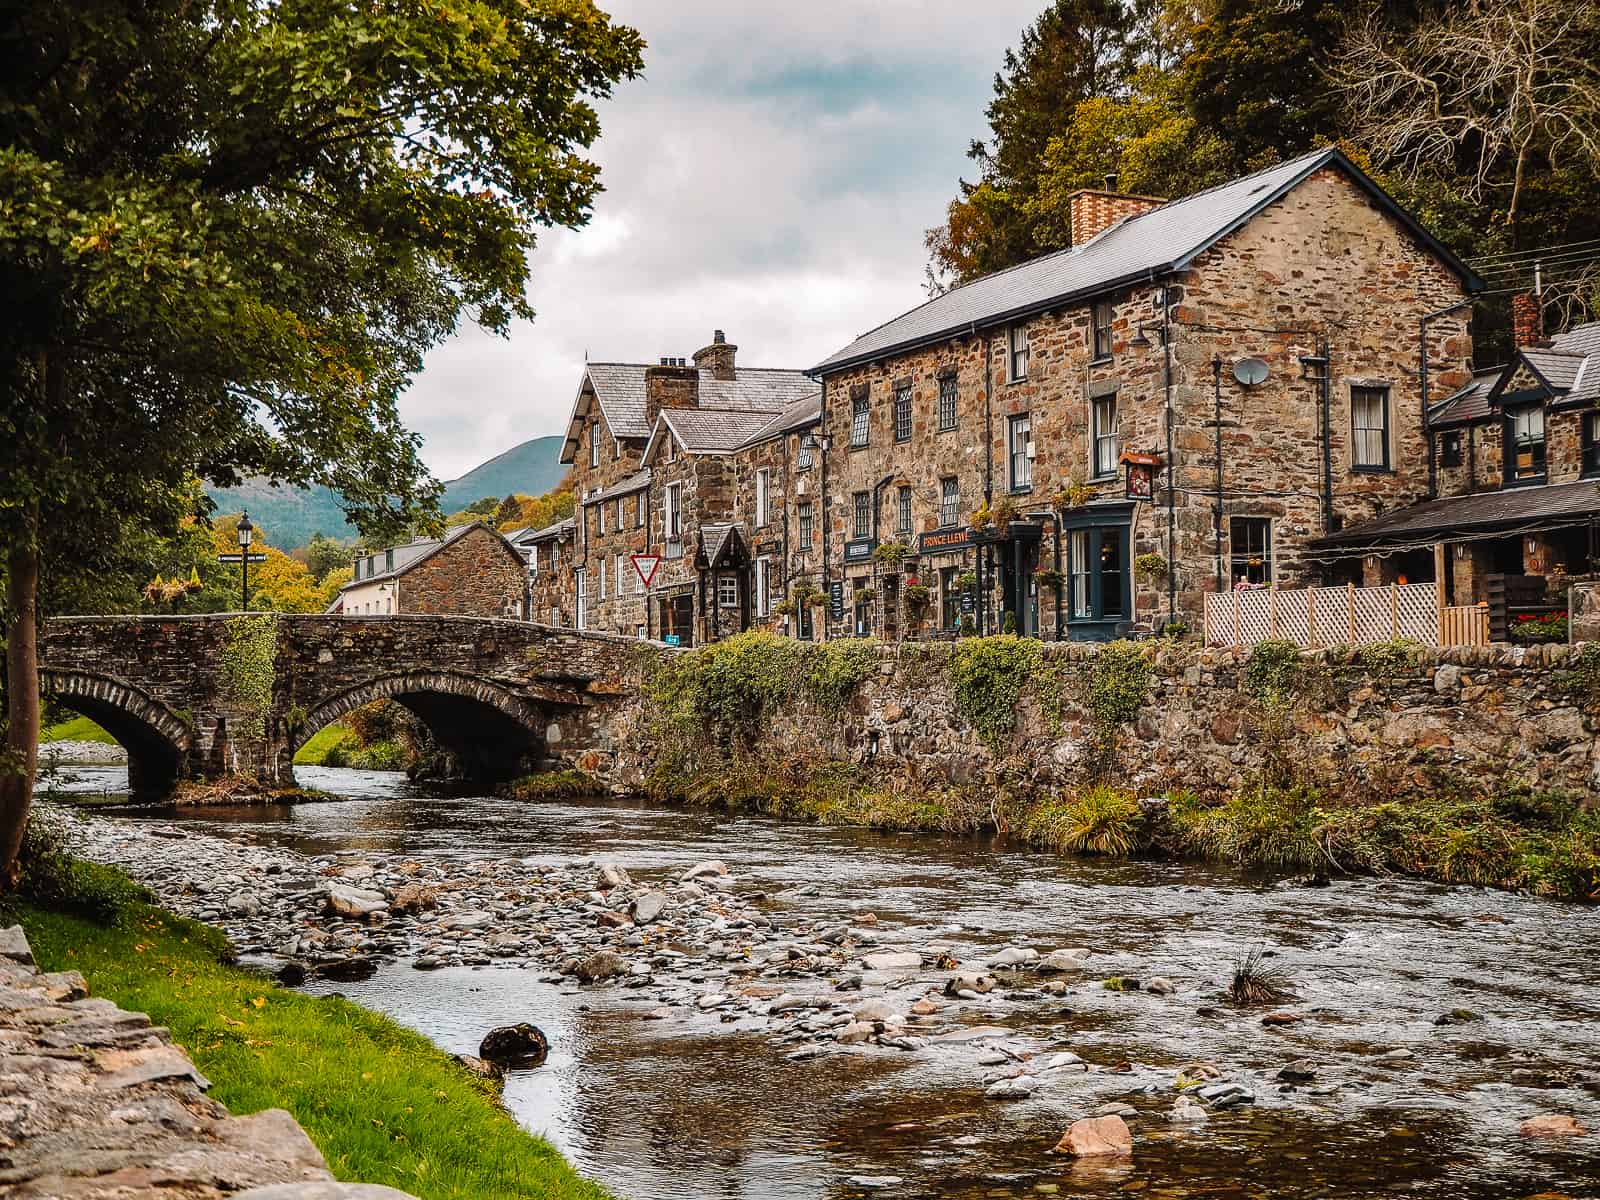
pixel 1097 570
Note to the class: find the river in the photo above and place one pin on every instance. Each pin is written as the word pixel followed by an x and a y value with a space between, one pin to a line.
pixel 707 1106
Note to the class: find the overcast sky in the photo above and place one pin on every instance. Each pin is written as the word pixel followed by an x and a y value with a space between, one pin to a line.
pixel 771 175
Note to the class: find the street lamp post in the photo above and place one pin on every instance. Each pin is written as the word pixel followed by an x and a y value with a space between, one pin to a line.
pixel 246 536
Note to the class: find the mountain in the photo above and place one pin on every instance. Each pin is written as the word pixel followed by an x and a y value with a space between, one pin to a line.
pixel 289 516
pixel 532 468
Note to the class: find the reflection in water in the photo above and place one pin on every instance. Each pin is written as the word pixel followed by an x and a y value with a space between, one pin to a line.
pixel 693 1106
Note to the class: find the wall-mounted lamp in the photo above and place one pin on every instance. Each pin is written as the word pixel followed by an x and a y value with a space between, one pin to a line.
pixel 817 441
pixel 1141 340
pixel 1461 549
pixel 1314 367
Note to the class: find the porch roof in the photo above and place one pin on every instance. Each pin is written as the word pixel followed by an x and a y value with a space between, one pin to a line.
pixel 1506 512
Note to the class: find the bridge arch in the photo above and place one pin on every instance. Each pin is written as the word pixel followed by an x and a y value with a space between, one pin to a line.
pixel 159 742
pixel 491 732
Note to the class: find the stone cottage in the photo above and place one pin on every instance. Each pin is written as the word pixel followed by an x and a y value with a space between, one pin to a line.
pixel 473 571
pixel 615 416
pixel 1514 496
pixel 1181 402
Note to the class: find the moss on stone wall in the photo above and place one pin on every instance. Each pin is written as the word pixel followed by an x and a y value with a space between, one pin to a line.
pixel 249 669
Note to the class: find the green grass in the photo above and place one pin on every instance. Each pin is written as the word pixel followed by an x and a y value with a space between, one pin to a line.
pixel 79 729
pixel 328 739
pixel 567 784
pixel 382 1103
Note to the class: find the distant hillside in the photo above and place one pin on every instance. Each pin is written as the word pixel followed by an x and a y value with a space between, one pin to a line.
pixel 289 516
pixel 531 468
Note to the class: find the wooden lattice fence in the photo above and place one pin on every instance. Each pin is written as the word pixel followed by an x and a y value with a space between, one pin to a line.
pixel 1333 616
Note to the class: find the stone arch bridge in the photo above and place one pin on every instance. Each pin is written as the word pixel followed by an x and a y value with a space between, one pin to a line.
pixel 234 694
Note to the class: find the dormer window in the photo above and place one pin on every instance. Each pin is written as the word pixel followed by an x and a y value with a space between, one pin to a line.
pixel 1525 444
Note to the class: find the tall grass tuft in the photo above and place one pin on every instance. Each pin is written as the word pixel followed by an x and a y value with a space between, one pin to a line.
pixel 1254 982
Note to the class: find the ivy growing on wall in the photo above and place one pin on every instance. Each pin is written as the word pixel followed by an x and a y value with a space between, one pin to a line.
pixel 988 675
pixel 1117 685
pixel 248 668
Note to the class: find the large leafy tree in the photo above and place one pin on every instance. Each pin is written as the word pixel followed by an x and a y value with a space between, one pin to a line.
pixel 229 230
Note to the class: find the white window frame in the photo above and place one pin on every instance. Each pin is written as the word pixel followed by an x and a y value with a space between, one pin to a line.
pixel 594 443
pixel 949 403
pixel 860 515
pixel 763 586
pixel 601 509
pixel 1019 467
pixel 638 510
pixel 622 577
pixel 1365 440
pixel 949 502
pixel 727 590
pixel 1098 437
pixel 860 420
pixel 1016 353
pixel 903 502
pixel 763 497
pixel 805 518
pixel 600 571
pixel 673 512
pixel 580 580
pixel 1096 310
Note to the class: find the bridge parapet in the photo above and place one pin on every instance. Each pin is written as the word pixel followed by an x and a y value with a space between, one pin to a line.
pixel 237 694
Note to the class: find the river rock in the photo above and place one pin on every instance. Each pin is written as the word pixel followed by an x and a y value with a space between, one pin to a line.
pixel 879 1010
pixel 346 901
pixel 480 1067
pixel 1552 1125
pixel 613 876
pixel 1014 956
pixel 1225 1095
pixel 855 1033
pixel 974 1033
pixel 648 907
pixel 1097 1137
pixel 1019 1088
pixel 978 984
pixel 706 870
pixel 602 964
pixel 470 919
pixel 892 960
pixel 413 898
pixel 1061 1060
pixel 875 1183
pixel 1160 985
pixel 520 1045
pixel 1063 960
pixel 1187 1112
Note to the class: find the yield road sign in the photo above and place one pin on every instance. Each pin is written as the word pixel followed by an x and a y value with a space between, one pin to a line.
pixel 645 566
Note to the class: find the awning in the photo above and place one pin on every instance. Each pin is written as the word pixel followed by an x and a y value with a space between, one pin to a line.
pixel 1508 512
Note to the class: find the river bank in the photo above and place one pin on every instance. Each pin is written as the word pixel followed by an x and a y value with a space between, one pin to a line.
pixel 381 1103
pixel 1422 1026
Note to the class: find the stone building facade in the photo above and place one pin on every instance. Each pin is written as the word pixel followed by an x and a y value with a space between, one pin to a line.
pixel 991 430
pixel 473 571
pixel 1515 475
pixel 549 553
pixel 655 451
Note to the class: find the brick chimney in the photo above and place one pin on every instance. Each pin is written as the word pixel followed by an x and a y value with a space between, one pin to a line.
pixel 1094 209
pixel 1527 320
pixel 717 357
pixel 670 385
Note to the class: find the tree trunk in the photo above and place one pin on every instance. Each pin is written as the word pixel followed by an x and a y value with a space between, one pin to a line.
pixel 20 760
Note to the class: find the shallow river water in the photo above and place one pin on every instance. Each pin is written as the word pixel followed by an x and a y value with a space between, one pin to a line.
pixel 694 1106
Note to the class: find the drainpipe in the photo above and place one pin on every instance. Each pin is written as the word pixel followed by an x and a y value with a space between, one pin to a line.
pixel 1327 437
pixel 988 415
pixel 823 442
pixel 1422 354
pixel 1216 388
pixel 1172 465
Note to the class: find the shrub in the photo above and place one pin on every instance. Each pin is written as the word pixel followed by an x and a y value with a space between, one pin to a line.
pixel 1119 680
pixel 1385 659
pixel 1098 820
pixel 1254 982
pixel 1261 826
pixel 833 670
pixel 568 784
pixel 1273 673
pixel 59 882
pixel 988 675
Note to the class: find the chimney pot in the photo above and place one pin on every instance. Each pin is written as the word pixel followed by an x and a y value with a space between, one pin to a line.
pixel 1111 181
pixel 717 358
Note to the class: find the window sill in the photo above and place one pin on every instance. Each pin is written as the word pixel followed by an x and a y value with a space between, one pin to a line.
pixel 1105 360
pixel 1360 469
pixel 1111 478
pixel 949 428
pixel 1530 481
pixel 859 446
pixel 1025 490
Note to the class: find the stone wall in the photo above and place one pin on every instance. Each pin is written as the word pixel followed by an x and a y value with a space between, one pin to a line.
pixel 1486 713
pixel 101 1105
pixel 1583 610
pixel 479 574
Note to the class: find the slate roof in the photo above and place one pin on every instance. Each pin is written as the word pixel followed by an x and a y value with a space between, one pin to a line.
pixel 1141 247
pixel 795 416
pixel 526 537
pixel 1569 364
pixel 1468 404
pixel 1512 510
pixel 717 537
pixel 619 391
pixel 412 553
pixel 623 487
pixel 714 430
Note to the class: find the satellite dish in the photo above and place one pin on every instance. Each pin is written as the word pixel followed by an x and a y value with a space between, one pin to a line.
pixel 1250 371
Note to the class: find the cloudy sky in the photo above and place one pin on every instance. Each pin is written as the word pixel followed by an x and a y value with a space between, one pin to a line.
pixel 771 175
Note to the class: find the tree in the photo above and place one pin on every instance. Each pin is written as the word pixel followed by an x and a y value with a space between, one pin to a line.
pixel 229 232
pixel 323 554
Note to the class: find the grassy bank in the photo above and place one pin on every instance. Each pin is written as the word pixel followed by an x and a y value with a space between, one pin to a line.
pixel 1541 842
pixel 382 1103
pixel 78 729
pixel 338 745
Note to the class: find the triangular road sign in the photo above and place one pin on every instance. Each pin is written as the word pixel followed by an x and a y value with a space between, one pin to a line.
pixel 645 565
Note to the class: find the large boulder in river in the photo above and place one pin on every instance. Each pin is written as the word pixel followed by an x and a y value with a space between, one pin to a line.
pixel 706 870
pixel 602 964
pixel 520 1045
pixel 969 982
pixel 648 907
pixel 1097 1137
pixel 1552 1125
pixel 343 900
